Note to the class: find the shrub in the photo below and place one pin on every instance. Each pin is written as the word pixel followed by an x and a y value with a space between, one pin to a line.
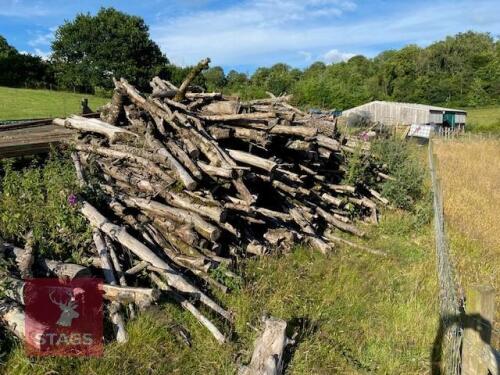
pixel 358 169
pixel 403 165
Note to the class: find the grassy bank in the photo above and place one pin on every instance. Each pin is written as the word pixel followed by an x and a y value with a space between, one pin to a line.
pixel 27 103
pixel 470 178
pixel 484 120
pixel 352 312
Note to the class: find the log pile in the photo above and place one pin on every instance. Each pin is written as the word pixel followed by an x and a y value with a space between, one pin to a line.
pixel 191 181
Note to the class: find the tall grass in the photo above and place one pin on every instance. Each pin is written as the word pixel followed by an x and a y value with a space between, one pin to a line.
pixel 470 173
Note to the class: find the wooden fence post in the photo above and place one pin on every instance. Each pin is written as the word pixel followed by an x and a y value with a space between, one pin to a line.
pixel 480 313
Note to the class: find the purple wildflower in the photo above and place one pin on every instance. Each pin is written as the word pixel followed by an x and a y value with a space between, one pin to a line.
pixel 72 199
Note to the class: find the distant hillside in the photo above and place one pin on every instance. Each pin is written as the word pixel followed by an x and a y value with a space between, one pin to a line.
pixel 462 70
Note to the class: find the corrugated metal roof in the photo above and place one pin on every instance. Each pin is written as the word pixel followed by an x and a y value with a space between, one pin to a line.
pixel 413 105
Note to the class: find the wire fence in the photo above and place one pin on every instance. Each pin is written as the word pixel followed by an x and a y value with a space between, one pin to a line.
pixel 451 304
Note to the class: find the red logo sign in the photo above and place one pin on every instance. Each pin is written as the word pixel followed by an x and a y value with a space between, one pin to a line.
pixel 63 318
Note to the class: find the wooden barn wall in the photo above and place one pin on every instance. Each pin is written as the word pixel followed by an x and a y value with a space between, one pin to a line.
pixel 392 114
pixel 401 113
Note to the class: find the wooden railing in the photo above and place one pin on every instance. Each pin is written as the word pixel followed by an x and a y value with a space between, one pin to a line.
pixel 445 132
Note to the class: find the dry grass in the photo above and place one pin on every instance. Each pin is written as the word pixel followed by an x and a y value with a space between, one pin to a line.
pixel 470 174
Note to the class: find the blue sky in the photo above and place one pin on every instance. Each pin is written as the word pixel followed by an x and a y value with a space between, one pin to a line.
pixel 247 34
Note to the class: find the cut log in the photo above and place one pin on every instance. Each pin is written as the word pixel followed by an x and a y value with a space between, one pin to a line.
pixel 78 169
pixel 59 269
pixel 142 297
pixel 211 170
pixel 379 196
pixel 354 245
pixel 181 93
pixel 183 157
pixel 332 200
pixel 267 357
pixel 255 161
pixel 338 223
pixel 112 112
pixel 327 142
pixel 300 131
pixel 240 116
pixel 12 315
pixel 118 269
pixel 107 269
pixel 137 268
pixel 229 107
pixel 113 133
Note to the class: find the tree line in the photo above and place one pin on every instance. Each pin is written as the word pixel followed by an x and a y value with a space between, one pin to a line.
pixel 462 70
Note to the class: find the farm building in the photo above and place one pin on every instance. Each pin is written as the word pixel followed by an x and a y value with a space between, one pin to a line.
pixel 394 113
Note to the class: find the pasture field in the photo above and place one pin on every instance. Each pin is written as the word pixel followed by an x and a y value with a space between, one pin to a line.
pixel 27 103
pixel 470 174
pixel 484 120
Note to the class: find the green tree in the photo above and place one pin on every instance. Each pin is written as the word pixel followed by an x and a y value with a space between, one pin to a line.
pixel 5 48
pixel 214 78
pixel 234 78
pixel 89 50
pixel 19 69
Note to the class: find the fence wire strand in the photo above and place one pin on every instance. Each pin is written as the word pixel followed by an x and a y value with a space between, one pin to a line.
pixel 450 301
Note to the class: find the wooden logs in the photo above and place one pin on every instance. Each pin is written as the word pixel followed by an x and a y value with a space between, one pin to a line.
pixel 113 133
pixel 338 223
pixel 177 167
pixel 142 297
pixel 301 131
pixel 267 357
pixel 107 269
pixel 120 234
pixel 255 161
pixel 181 93
pixel 203 227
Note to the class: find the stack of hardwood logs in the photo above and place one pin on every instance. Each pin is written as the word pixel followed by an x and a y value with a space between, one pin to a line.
pixel 193 181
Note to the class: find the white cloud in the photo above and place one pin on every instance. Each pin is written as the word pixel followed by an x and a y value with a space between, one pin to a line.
pixel 43 39
pixel 334 56
pixel 263 32
pixel 37 52
pixel 43 54
pixel 19 8
pixel 251 28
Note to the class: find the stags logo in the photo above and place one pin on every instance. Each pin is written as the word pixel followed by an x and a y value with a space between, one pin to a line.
pixel 68 312
pixel 63 318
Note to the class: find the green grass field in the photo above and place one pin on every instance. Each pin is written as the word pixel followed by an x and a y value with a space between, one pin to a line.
pixel 27 103
pixel 354 313
pixel 484 120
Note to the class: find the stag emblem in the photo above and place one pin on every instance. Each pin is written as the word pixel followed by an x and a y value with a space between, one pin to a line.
pixel 68 308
